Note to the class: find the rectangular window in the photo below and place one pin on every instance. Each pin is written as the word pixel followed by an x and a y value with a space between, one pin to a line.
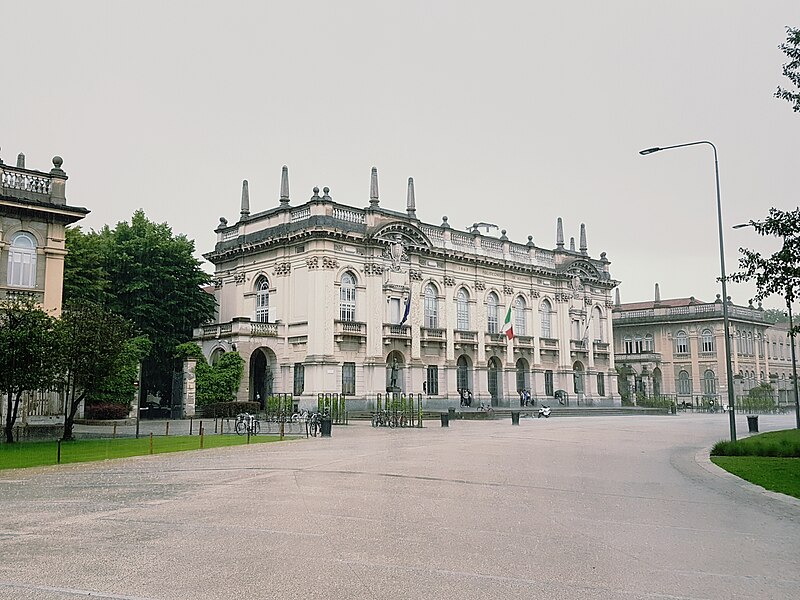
pixel 349 379
pixel 462 315
pixel 519 322
pixel 601 384
pixel 548 383
pixel 432 380
pixel 394 311
pixel 299 378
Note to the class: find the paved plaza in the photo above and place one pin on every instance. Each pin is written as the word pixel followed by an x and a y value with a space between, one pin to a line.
pixel 600 508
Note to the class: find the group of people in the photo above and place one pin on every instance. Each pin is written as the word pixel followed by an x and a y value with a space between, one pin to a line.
pixel 466 396
pixel 525 398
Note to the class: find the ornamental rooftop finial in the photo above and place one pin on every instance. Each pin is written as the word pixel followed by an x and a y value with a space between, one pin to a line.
pixel 411 203
pixel 245 211
pixel 284 185
pixel 559 234
pixel 583 247
pixel 373 188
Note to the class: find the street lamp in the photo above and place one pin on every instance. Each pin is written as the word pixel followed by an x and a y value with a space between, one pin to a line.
pixel 725 321
pixel 789 294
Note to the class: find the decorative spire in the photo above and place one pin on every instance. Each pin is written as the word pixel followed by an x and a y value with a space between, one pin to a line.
pixel 20 161
pixel 559 234
pixel 284 185
pixel 616 298
pixel 584 248
pixel 658 294
pixel 373 188
pixel 572 244
pixel 411 204
pixel 245 199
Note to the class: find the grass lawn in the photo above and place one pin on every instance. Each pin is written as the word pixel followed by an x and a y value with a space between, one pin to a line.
pixel 776 474
pixel 771 460
pixel 37 454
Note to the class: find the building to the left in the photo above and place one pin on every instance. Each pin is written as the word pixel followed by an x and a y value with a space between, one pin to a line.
pixel 33 215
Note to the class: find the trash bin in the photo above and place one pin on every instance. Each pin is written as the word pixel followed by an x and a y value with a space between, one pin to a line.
pixel 673 408
pixel 515 417
pixel 451 414
pixel 325 426
pixel 752 423
pixel 445 420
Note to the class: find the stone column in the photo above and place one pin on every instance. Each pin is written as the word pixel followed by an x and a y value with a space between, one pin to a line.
pixel 189 399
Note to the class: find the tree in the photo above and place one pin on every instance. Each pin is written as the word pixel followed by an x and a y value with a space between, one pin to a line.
pixel 778 273
pixel 214 383
pixel 92 341
pixel 775 315
pixel 119 386
pixel 28 345
pixel 791 70
pixel 152 279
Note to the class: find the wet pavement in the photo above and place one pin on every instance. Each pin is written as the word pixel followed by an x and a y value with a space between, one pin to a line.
pixel 594 507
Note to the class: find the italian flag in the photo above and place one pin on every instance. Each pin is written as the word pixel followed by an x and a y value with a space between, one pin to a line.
pixel 508 328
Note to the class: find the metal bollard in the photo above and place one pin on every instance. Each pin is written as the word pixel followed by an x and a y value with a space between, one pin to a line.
pixel 201 435
pixel 445 420
pixel 515 417
pixel 151 442
pixel 166 430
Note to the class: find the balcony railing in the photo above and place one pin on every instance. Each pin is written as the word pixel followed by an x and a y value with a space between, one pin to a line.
pixel 525 341
pixel 601 347
pixel 548 343
pixel 495 339
pixel 431 334
pixel 343 329
pixel 236 328
pixel 466 337
pixel 394 332
pixel 577 346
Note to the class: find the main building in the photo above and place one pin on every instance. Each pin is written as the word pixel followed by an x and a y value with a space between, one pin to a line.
pixel 324 297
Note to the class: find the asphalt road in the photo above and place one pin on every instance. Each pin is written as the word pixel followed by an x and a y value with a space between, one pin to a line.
pixel 601 508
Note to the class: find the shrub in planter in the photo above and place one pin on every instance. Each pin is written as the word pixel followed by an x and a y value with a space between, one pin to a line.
pixel 107 411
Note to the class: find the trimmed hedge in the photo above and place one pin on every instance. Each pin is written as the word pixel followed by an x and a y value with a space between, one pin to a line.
pixel 229 409
pixel 107 411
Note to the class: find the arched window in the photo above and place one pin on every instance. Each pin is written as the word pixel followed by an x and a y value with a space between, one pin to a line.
pixel 628 343
pixel 750 343
pixel 637 343
pixel 462 310
pixel 648 342
pixel 597 324
pixel 709 383
pixel 22 260
pixel 707 340
pixel 545 312
pixel 431 307
pixel 684 384
pixel 681 343
pixel 347 298
pixel 262 300
pixel 519 316
pixel 492 302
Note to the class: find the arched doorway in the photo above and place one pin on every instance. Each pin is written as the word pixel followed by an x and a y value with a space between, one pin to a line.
pixel 262 375
pixel 463 373
pixel 495 383
pixel 657 382
pixel 394 371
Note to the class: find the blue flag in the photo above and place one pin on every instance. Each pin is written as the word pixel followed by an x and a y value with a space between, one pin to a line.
pixel 408 308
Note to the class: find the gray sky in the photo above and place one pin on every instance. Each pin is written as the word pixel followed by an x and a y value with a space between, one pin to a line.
pixel 510 112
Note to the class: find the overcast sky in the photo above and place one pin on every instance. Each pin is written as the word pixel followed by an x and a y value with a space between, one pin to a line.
pixel 514 113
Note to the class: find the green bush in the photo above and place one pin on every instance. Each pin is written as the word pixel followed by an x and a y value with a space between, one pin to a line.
pixel 229 409
pixel 780 444
pixel 213 383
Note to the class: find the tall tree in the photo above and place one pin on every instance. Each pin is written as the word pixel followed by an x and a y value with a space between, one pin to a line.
pixel 28 344
pixel 779 273
pixel 153 280
pixel 791 69
pixel 92 341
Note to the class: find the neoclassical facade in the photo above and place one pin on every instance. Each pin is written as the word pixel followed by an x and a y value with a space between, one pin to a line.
pixel 323 297
pixel 33 214
pixel 676 347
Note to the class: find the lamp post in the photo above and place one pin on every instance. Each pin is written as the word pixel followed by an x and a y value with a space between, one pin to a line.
pixel 789 296
pixel 725 320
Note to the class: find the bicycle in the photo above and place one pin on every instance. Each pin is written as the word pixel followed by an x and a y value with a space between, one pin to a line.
pixel 247 423
pixel 314 424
